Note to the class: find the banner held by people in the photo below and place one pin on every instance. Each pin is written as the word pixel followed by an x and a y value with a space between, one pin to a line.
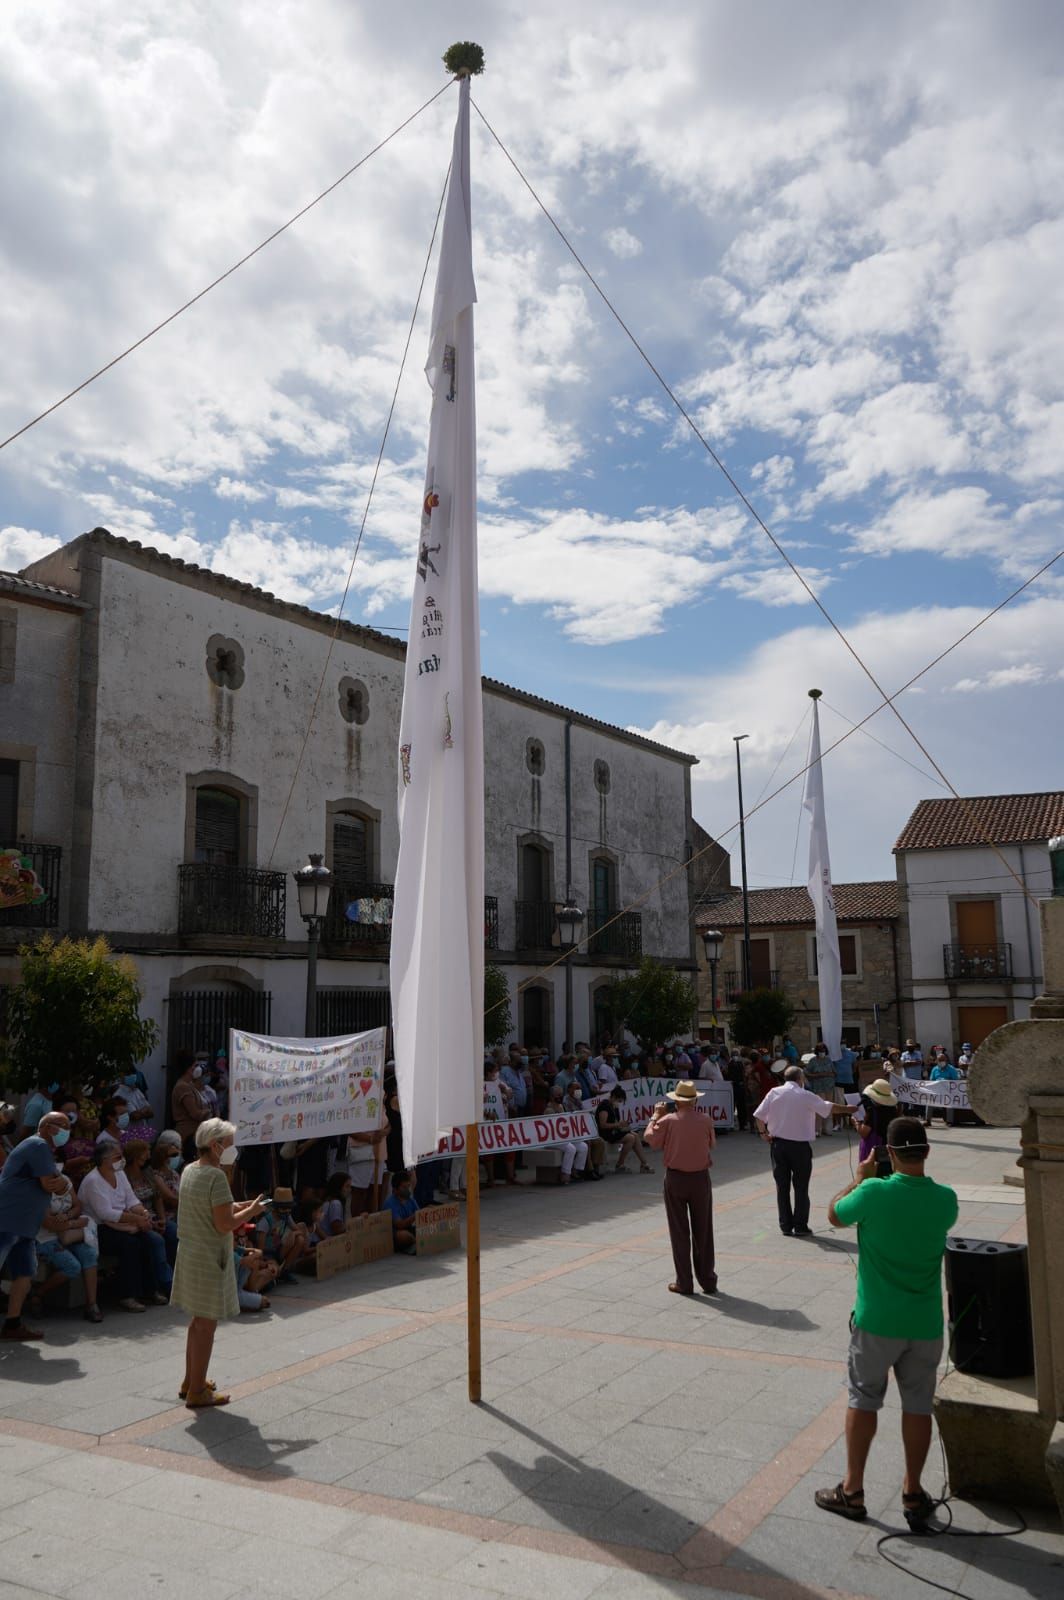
pixel 284 1089
pixel 437 946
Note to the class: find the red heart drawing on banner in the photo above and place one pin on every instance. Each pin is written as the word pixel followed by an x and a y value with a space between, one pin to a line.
pixel 365 1084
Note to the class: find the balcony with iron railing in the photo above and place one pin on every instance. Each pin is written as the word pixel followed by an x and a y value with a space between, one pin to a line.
pixel 977 963
pixel 615 934
pixel 534 925
pixel 45 862
pixel 238 902
pixel 359 918
pixel 761 978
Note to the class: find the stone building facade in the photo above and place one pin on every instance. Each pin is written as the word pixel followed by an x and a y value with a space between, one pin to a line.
pixel 783 956
pixel 153 715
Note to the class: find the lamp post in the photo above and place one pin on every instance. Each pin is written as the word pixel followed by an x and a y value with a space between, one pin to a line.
pixel 313 883
pixel 738 738
pixel 713 939
pixel 569 918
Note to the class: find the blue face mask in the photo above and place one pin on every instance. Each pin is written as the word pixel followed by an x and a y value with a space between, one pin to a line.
pixel 59 1139
pixel 53 1088
pixel 130 1080
pixel 174 1163
pixel 123 1120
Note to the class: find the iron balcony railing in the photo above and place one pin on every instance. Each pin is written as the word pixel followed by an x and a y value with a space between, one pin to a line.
pixel 359 914
pixel 45 860
pixel 613 935
pixel 242 901
pixel 982 963
pixel 534 925
pixel 733 985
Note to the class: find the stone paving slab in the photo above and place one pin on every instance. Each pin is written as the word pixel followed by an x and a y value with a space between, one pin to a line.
pixel 630 1443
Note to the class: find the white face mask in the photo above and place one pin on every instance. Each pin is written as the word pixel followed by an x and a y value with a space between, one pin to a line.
pixel 197 1072
pixel 118 1165
pixel 229 1155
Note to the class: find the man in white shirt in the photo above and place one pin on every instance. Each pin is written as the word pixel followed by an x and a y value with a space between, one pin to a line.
pixel 912 1060
pixel 605 1069
pixel 711 1072
pixel 787 1117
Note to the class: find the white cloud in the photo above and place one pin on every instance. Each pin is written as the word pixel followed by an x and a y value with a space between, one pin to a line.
pixel 1004 678
pixel 777 586
pixel 20 546
pixel 623 244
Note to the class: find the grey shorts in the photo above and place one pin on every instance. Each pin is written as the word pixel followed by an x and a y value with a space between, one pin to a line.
pixel 915 1363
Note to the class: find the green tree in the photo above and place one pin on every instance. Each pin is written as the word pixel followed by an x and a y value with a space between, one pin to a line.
pixel 75 1015
pixel 498 1023
pixel 655 1003
pixel 761 1014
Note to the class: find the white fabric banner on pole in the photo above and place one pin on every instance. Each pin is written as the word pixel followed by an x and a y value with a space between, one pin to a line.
pixel 283 1089
pixel 952 1093
pixel 828 961
pixel 437 950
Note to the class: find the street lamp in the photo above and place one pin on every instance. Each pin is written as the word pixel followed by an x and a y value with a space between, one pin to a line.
pixel 313 883
pixel 570 920
pixel 713 940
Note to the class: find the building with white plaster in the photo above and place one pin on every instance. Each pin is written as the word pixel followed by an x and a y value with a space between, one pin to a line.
pixel 970 873
pixel 152 715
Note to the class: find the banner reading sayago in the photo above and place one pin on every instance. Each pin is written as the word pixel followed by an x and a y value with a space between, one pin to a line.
pixel 304 1088
pixel 952 1093
pixel 718 1100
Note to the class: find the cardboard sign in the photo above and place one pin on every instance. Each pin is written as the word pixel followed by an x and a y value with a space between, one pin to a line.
pixel 367 1238
pixel 494 1104
pixel 438 1229
pixel 283 1089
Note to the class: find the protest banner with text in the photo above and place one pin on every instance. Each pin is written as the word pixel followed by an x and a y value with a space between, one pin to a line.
pixel 283 1089
pixel 948 1093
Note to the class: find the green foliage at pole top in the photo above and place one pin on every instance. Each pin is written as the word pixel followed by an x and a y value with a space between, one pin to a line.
pixel 760 1015
pixel 655 1003
pixel 498 1023
pixel 464 57
pixel 75 1016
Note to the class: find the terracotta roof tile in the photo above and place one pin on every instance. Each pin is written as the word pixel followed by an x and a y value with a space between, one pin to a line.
pixel 769 908
pixel 15 583
pixel 982 819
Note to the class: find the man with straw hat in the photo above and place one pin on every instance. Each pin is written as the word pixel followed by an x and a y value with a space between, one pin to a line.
pixel 687 1139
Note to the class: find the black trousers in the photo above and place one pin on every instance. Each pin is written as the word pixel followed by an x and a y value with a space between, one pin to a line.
pixel 792 1166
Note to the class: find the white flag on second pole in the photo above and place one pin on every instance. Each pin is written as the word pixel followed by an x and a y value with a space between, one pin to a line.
pixel 437 952
pixel 828 961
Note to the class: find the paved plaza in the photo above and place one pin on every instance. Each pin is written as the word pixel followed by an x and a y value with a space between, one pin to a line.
pixel 631 1443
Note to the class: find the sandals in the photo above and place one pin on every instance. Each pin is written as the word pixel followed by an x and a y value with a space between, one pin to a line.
pixel 643 1167
pixel 917 1509
pixel 182 1393
pixel 206 1397
pixel 850 1506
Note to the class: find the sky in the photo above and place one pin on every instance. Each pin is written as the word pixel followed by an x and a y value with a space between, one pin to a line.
pixel 836 230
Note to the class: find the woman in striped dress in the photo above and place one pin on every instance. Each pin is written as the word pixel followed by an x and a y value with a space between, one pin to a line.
pixel 204 1280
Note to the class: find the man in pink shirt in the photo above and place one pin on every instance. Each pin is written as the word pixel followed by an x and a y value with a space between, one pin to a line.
pixel 687 1139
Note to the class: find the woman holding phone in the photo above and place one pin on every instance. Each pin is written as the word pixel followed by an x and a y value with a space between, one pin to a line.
pixel 204 1280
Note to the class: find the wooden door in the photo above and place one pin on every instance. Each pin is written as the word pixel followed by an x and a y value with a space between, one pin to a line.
pixel 976 924
pixel 974 1023
pixel 760 963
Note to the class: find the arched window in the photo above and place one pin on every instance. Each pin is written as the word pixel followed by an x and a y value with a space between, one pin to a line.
pixel 535 873
pixel 351 847
pixel 535 1005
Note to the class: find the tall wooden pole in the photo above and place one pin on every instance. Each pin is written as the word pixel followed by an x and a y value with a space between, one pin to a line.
pixel 472 1167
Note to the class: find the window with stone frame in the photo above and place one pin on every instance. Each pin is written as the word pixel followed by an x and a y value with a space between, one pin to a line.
pixel 849 955
pixel 225 662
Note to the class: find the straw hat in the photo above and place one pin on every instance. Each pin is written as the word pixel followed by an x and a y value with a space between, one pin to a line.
pixel 684 1093
pixel 283 1197
pixel 880 1093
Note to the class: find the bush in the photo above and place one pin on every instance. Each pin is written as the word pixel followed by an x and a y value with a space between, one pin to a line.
pixel 761 1014
pixel 655 1003
pixel 75 1016
pixel 497 1020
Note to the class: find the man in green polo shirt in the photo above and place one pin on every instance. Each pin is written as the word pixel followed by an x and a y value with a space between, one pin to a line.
pixel 902 1223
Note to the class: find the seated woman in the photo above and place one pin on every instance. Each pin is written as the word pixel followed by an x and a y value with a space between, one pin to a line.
pixel 126 1231
pixel 611 1129
pixel 404 1209
pixel 66 1244
pixel 78 1154
pixel 333 1218
pixel 114 1122
pixel 164 1170
pixel 133 1090
pixel 142 1182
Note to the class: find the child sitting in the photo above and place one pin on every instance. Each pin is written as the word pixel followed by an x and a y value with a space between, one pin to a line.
pixel 404 1209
